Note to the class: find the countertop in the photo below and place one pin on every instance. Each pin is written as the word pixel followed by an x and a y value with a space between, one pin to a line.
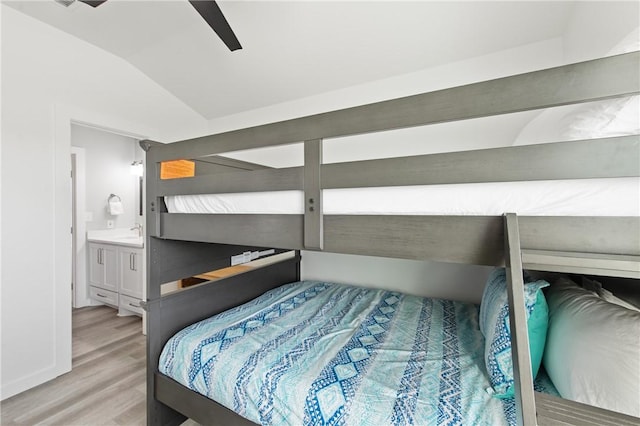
pixel 120 237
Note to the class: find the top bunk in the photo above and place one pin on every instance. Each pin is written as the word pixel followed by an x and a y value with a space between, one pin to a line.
pixel 592 229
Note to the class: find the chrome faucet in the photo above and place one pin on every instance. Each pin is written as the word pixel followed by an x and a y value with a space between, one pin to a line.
pixel 139 228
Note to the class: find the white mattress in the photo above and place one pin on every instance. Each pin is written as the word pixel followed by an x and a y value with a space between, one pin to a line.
pixel 585 197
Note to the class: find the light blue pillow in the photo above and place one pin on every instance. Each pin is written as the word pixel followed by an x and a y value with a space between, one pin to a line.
pixel 494 324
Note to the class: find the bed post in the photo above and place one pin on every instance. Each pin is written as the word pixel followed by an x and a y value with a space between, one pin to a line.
pixel 152 209
pixel 313 219
pixel 522 375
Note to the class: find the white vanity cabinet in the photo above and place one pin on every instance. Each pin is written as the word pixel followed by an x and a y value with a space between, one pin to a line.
pixel 103 272
pixel 116 276
pixel 130 279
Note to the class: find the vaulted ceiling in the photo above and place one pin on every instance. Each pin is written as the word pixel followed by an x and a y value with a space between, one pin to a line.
pixel 293 49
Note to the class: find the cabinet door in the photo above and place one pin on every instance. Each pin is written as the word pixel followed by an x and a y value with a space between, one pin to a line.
pixel 96 267
pixel 131 272
pixel 110 261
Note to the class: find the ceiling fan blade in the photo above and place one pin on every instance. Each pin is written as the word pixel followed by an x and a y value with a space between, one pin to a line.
pixel 93 3
pixel 211 13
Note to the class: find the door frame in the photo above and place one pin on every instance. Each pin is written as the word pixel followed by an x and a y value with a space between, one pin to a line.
pixel 79 229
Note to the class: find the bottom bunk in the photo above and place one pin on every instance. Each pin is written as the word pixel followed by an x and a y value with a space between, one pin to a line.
pixel 321 353
pixel 312 352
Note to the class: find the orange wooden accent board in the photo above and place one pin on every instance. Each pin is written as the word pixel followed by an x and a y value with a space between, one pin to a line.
pixel 177 169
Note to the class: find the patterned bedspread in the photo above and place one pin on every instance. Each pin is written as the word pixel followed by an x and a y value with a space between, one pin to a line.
pixel 320 353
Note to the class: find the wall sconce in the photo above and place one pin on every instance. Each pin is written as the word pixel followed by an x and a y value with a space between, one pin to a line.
pixel 137 168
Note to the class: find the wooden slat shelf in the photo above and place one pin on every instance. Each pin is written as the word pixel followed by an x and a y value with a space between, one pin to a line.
pixel 234 270
pixel 213 275
pixel 223 273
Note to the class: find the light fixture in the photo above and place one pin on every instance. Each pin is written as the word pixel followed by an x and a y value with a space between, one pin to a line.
pixel 137 168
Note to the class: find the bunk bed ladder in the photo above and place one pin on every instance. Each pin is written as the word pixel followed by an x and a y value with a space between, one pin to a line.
pixel 523 377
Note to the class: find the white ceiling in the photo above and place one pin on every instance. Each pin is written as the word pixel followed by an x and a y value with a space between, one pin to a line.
pixel 293 49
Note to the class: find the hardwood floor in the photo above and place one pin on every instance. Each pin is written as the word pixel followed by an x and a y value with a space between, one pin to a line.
pixel 106 385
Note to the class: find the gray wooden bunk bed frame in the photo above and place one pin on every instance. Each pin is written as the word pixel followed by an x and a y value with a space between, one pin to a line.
pixel 181 245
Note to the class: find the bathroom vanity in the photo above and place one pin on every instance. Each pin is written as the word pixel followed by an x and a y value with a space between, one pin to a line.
pixel 116 266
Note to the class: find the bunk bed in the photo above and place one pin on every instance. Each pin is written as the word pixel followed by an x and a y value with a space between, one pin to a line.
pixel 187 244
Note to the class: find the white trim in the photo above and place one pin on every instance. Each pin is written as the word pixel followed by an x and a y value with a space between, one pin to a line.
pixel 62 252
pixel 108 129
pixel 25 383
pixel 81 296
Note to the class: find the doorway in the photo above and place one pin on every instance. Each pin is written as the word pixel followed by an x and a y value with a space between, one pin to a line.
pixel 101 162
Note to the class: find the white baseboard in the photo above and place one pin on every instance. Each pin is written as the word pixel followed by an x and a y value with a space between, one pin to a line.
pixel 7 390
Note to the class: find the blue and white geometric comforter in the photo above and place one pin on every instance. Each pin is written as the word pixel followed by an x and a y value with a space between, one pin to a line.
pixel 319 353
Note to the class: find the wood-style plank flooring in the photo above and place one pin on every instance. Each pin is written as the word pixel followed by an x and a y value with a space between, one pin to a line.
pixel 106 385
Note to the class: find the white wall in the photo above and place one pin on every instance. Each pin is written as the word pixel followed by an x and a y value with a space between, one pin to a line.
pixel 512 61
pixel 49 79
pixel 588 38
pixel 108 159
pixel 595 28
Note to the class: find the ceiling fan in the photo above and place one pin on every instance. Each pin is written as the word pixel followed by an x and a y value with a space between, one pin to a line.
pixel 208 9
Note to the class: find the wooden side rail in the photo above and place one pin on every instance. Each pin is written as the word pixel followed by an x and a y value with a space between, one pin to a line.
pixel 575 83
pixel 477 240
pixel 585 159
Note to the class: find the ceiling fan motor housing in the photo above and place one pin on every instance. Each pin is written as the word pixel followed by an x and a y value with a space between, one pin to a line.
pixel 65 3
